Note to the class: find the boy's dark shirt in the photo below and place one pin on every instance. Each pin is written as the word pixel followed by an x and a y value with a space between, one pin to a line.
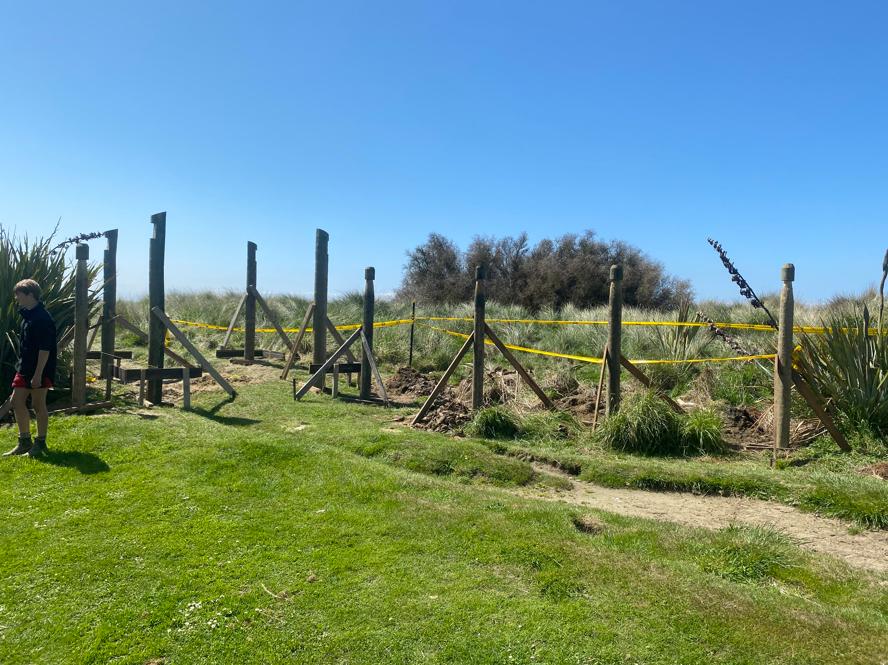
pixel 38 333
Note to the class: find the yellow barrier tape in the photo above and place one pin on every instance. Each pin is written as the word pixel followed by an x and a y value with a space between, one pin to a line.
pixel 762 327
pixel 598 361
pixel 349 326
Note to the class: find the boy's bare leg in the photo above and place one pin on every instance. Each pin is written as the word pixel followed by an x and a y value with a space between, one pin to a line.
pixel 38 401
pixel 23 419
pixel 20 406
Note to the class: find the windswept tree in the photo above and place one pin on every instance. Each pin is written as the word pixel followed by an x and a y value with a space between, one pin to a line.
pixel 572 269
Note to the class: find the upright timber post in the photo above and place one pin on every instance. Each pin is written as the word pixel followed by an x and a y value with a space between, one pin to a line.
pixel 367 327
pixel 81 326
pixel 412 326
pixel 783 366
pixel 319 320
pixel 478 351
pixel 614 325
pixel 250 306
pixel 109 306
pixel 156 329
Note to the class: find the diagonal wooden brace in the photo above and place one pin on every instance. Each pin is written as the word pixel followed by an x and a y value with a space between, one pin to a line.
pixel 322 370
pixel 518 367
pixel 369 353
pixel 293 349
pixel 442 382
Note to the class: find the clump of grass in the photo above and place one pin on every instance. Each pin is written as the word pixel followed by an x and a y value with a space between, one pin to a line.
pixel 748 554
pixel 550 426
pixel 494 422
pixel 644 425
pixel 702 430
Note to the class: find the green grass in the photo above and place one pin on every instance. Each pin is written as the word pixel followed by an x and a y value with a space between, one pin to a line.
pixel 267 531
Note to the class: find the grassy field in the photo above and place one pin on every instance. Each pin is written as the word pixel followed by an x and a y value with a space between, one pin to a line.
pixel 267 531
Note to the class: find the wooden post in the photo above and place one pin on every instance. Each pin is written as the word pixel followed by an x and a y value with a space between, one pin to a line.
pixel 109 306
pixel 366 376
pixel 614 330
pixel 81 325
pixel 319 321
pixel 186 389
pixel 156 299
pixel 250 306
pixel 142 389
pixel 412 326
pixel 783 361
pixel 479 334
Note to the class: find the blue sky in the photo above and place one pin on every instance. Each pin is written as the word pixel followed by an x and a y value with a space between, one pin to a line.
pixel 762 124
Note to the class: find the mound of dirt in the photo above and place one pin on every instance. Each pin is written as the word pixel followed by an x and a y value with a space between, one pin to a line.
pixel 408 381
pixel 581 403
pixel 744 426
pixel 880 470
pixel 448 414
pixel 500 387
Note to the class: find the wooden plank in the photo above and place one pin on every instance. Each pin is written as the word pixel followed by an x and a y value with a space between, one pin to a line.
pixel 237 311
pixel 172 354
pixel 97 355
pixel 642 377
pixel 133 374
pixel 239 353
pixel 327 365
pixel 528 379
pixel 296 342
pixel 270 316
pixel 442 382
pixel 368 355
pixel 807 392
pixel 343 367
pixel 184 341
pixel 83 408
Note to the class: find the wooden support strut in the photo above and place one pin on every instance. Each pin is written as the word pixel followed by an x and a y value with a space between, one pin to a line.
pixel 318 376
pixel 600 387
pixel 184 341
pixel 294 348
pixel 270 316
pixel 807 392
pixel 528 379
pixel 368 356
pixel 237 311
pixel 442 382
pixel 646 382
pixel 142 336
pixel 348 354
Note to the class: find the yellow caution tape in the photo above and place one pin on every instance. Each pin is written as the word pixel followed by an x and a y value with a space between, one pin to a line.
pixel 598 361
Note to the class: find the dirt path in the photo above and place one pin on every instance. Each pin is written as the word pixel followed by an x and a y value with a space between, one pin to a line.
pixel 868 549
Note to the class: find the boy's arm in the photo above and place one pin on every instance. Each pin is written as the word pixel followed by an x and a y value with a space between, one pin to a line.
pixel 37 379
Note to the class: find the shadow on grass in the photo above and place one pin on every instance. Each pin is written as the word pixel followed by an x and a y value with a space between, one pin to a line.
pixel 213 414
pixel 85 463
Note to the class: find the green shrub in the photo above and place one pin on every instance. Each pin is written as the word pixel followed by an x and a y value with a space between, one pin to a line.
pixel 647 425
pixel 849 367
pixel 494 422
pixel 702 431
pixel 748 554
pixel 550 426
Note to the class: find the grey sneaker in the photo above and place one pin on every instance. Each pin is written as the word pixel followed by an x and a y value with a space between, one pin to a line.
pixel 23 447
pixel 38 449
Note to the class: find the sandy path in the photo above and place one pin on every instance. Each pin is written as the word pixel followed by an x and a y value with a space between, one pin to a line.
pixel 868 550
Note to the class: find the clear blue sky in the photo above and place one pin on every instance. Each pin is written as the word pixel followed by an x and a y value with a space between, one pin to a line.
pixel 658 123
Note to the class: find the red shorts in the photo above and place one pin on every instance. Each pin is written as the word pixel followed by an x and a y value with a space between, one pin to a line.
pixel 21 382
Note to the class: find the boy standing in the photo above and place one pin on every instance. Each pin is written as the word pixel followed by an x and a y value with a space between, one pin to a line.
pixel 35 370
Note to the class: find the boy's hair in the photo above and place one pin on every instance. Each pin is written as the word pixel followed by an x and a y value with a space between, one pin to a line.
pixel 28 287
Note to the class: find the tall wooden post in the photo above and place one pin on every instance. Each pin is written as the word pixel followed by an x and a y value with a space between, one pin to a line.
pixel 369 304
pixel 614 337
pixel 81 326
pixel 478 350
pixel 109 304
pixel 783 362
pixel 250 306
pixel 156 330
pixel 412 326
pixel 319 320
